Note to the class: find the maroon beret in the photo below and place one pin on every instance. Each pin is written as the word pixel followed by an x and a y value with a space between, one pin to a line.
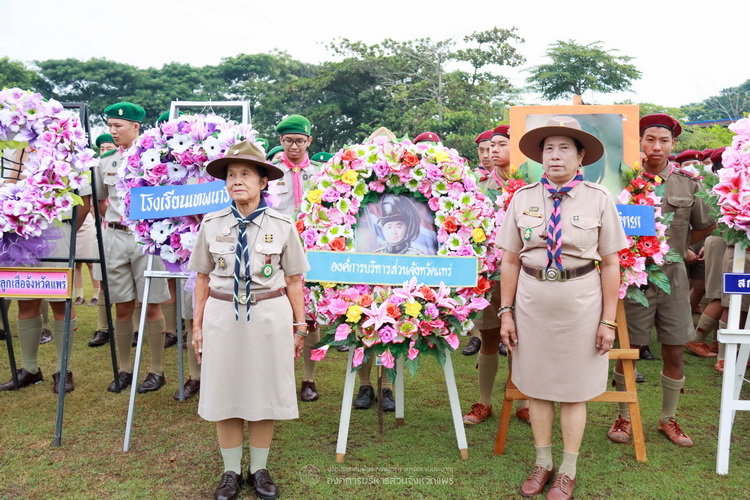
pixel 661 120
pixel 716 155
pixel 502 130
pixel 707 153
pixel 427 136
pixel 484 136
pixel 689 154
pixel 671 157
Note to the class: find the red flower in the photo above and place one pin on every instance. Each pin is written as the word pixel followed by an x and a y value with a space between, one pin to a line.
pixel 627 258
pixel 639 183
pixel 648 245
pixel 428 293
pixel 365 300
pixel 349 155
pixel 409 159
pixel 300 226
pixel 643 199
pixel 450 224
pixel 483 285
pixel 393 311
pixel 514 185
pixel 338 245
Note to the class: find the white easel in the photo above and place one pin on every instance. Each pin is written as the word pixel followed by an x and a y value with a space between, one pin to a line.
pixel 346 404
pixel 734 368
pixel 150 274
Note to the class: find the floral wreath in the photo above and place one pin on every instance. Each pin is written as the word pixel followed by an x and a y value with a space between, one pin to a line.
pixel 412 319
pixel 730 192
pixel 640 261
pixel 174 154
pixel 58 163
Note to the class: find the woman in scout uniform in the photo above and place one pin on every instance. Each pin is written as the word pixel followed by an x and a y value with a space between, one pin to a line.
pixel 246 254
pixel 553 234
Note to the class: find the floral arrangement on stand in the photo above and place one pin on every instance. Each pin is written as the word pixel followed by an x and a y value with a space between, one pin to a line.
pixel 640 261
pixel 56 162
pixel 175 153
pixel 731 190
pixel 412 319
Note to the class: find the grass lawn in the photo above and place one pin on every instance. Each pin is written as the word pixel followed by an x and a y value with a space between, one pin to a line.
pixel 174 453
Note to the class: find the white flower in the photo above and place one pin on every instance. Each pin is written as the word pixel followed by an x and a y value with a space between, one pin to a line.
pixel 160 231
pixel 176 171
pixel 212 147
pixel 150 158
pixel 179 143
pixel 167 254
pixel 187 240
pixel 453 242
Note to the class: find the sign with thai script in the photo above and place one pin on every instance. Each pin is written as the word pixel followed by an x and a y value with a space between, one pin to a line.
pixel 637 220
pixel 737 283
pixel 391 269
pixel 36 282
pixel 159 202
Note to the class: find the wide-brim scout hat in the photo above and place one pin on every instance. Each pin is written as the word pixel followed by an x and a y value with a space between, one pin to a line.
pixel 531 142
pixel 243 152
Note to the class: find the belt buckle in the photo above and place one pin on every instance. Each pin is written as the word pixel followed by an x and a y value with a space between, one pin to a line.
pixel 242 299
pixel 252 300
pixel 552 274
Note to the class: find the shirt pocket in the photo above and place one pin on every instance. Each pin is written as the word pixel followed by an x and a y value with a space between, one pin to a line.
pixel 681 206
pixel 224 255
pixel 585 232
pixel 532 231
pixel 283 185
pixel 266 254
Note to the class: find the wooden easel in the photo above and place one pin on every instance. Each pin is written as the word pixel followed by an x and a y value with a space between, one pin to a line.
pixel 630 396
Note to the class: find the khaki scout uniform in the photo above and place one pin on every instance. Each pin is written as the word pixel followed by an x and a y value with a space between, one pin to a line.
pixel 670 312
pixel 247 369
pixel 488 320
pixel 285 187
pixel 126 261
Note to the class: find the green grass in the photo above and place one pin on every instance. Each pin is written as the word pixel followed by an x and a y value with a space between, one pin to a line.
pixel 174 453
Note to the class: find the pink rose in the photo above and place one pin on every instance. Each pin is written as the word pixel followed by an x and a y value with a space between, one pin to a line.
pixel 342 332
pixel 358 357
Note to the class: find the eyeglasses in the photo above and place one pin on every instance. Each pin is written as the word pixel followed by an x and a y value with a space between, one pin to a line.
pixel 298 142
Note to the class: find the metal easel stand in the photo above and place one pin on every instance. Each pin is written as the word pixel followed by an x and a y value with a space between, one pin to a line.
pixel 735 366
pixel 150 274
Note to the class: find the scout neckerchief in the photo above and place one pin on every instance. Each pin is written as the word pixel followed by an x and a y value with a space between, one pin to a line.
pixel 296 178
pixel 657 180
pixel 554 231
pixel 497 178
pixel 243 253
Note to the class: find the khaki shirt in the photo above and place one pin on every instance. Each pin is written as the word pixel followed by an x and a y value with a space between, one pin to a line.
pixel 285 187
pixel 490 183
pixel 106 178
pixel 591 227
pixel 272 239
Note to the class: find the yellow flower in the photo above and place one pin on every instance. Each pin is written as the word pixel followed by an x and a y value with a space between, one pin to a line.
pixel 442 156
pixel 315 196
pixel 327 284
pixel 636 165
pixel 478 235
pixel 350 177
pixel 413 308
pixel 354 314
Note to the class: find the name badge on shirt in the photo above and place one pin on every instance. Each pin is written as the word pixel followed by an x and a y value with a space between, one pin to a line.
pixel 227 239
pixel 532 214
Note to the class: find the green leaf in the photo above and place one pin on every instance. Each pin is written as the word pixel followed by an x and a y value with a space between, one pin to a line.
pixel 636 294
pixel 412 365
pixel 672 256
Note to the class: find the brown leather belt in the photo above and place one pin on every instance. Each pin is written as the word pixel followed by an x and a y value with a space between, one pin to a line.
pixel 119 227
pixel 253 299
pixel 555 274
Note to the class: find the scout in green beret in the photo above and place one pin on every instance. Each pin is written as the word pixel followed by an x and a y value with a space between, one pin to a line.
pixel 164 117
pixel 321 157
pixel 105 143
pixel 275 154
pixel 263 142
pixel 124 121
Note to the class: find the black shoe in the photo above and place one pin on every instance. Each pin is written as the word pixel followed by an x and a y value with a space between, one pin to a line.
pixel 639 378
pixel 101 337
pixel 229 486
pixel 125 379
pixel 135 339
pixel 388 403
pixel 68 382
pixel 152 382
pixel 46 336
pixel 475 343
pixel 2 334
pixel 502 350
pixel 24 379
pixel 342 348
pixel 308 392
pixel 192 387
pixel 263 485
pixel 364 398
pixel 646 353
pixel 170 339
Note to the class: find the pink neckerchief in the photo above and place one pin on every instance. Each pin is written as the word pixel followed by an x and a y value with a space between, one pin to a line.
pixel 497 178
pixel 296 178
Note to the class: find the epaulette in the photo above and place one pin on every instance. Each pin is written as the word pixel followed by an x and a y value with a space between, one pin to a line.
pixel 219 213
pixel 527 186
pixel 278 215
pixel 597 186
pixel 687 173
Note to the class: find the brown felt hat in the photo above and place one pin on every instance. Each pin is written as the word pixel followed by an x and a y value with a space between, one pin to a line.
pixel 243 152
pixel 531 142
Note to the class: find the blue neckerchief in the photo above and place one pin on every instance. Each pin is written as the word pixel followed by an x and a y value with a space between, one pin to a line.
pixel 243 254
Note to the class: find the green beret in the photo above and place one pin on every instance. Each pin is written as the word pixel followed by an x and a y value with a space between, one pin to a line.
pixel 104 138
pixel 294 124
pixel 164 117
pixel 276 149
pixel 126 111
pixel 321 157
pixel 264 142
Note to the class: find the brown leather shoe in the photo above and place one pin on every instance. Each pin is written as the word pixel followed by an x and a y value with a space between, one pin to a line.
pixel 478 414
pixel 101 337
pixel 68 382
pixel 229 486
pixel 537 480
pixel 475 343
pixel 263 485
pixel 308 392
pixel 24 379
pixel 170 339
pixel 562 488
pixel 79 301
pixel 192 387
pixel 522 414
pixel 672 430
pixel 152 382
pixel 125 380
pixel 700 349
pixel 93 302
pixel 620 430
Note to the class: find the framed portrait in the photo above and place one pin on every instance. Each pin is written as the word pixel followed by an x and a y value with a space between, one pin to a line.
pixel 615 125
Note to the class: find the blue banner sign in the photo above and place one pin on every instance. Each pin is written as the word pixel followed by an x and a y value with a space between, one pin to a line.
pixel 391 269
pixel 637 220
pixel 737 283
pixel 159 202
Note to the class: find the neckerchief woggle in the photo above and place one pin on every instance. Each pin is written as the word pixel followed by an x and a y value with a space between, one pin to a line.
pixel 243 254
pixel 554 231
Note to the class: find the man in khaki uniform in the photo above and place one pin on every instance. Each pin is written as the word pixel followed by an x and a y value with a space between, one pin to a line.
pixel 669 313
pixel 126 261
